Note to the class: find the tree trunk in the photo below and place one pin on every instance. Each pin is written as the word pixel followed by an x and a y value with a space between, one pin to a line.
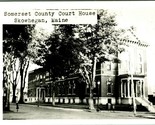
pixel 21 86
pixel 53 95
pixel 7 106
pixel 15 79
pixel 14 93
pixel 23 73
pixel 91 102
pixel 52 79
pixel 53 99
pixel 21 96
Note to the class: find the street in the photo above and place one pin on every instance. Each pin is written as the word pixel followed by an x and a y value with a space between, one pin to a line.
pixel 28 112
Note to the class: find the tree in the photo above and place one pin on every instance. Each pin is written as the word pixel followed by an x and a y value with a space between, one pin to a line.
pixel 7 58
pixel 100 43
pixel 15 76
pixel 58 54
pixel 16 39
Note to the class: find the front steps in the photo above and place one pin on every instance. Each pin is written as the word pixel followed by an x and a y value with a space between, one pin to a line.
pixel 144 102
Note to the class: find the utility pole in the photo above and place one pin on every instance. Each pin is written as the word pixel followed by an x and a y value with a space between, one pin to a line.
pixel 131 71
pixel 132 86
pixel 133 95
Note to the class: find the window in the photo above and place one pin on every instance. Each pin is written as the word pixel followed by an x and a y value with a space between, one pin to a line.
pixel 48 92
pixel 97 87
pixel 58 89
pixel 109 86
pixel 87 89
pixel 125 62
pixel 41 76
pixel 37 77
pixel 108 66
pixel 98 65
pixel 47 73
pixel 98 68
pixel 73 87
pixel 44 76
pixel 69 88
pixel 140 64
pixel 109 100
pixel 138 89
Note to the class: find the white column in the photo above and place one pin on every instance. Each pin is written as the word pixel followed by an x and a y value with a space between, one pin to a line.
pixel 39 94
pixel 36 93
pixel 121 89
pixel 136 88
pixel 140 83
pixel 128 83
pixel 125 89
pixel 132 84
pixel 143 88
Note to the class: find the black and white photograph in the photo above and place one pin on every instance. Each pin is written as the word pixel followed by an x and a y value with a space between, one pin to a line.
pixel 90 62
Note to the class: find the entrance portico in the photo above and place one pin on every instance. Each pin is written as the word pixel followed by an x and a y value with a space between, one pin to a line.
pixel 40 94
pixel 126 85
pixel 125 88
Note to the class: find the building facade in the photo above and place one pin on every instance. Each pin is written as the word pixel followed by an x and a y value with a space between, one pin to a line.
pixel 114 83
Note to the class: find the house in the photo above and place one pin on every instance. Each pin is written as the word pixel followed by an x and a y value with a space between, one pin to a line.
pixel 114 83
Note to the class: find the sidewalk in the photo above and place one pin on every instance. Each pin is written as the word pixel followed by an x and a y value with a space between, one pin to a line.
pixel 84 107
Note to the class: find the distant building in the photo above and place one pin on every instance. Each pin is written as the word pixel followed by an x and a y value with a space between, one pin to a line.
pixel 113 80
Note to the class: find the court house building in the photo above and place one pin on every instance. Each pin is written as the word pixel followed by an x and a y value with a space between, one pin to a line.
pixel 115 82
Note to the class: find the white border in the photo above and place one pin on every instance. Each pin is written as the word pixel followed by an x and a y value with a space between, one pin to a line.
pixel 74 5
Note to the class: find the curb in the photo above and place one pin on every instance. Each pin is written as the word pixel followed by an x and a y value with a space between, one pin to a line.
pixel 150 117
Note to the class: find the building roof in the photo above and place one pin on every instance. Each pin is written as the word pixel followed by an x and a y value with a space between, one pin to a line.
pixel 131 37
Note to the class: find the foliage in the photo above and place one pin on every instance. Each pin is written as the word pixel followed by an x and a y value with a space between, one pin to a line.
pixel 59 52
pixel 16 39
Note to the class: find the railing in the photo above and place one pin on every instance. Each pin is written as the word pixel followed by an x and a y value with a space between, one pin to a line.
pixel 147 101
pixel 146 104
